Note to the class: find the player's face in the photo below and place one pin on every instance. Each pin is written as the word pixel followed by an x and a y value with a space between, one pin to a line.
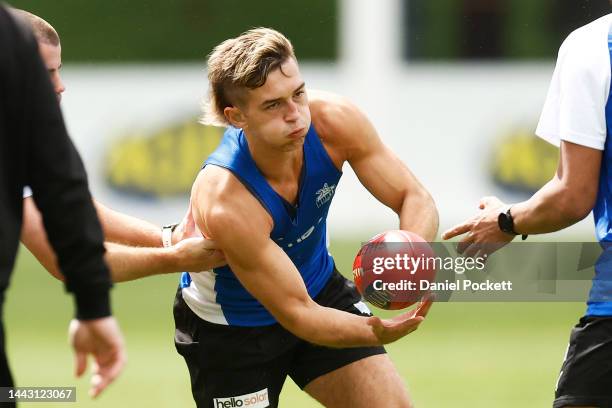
pixel 52 57
pixel 277 113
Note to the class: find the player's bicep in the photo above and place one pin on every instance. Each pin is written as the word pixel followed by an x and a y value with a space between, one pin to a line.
pixel 265 271
pixel 241 228
pixel 380 171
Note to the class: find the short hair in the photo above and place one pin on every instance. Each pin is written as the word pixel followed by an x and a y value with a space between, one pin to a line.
pixel 242 62
pixel 43 31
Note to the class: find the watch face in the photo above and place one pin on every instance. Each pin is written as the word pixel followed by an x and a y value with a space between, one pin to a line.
pixel 505 223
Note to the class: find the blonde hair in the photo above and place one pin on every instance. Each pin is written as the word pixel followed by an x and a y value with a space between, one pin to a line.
pixel 239 63
pixel 43 31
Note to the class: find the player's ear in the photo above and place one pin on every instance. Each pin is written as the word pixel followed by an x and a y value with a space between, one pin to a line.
pixel 235 116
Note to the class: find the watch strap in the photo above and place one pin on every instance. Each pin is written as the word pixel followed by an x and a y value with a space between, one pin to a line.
pixel 166 234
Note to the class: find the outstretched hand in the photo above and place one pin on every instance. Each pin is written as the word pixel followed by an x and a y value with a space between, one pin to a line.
pixel 390 330
pixel 482 234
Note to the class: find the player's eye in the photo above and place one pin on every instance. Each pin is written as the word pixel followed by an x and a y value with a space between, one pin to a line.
pixel 272 106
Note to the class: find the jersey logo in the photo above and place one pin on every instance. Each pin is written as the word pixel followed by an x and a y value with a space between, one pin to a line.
pixel 324 194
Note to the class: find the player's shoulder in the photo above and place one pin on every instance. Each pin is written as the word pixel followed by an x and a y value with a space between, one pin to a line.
pixel 588 40
pixel 333 116
pixel 218 186
pixel 224 201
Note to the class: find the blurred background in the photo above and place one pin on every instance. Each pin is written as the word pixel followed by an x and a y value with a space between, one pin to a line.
pixel 455 87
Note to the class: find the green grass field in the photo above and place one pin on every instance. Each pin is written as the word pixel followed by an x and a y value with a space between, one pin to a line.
pixel 465 354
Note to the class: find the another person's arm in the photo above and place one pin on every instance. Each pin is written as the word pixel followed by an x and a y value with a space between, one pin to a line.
pixel 566 199
pixel 125 229
pixel 574 119
pixel 241 228
pixel 125 262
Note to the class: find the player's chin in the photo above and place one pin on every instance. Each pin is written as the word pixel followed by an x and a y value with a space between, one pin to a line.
pixel 291 147
pixel 293 143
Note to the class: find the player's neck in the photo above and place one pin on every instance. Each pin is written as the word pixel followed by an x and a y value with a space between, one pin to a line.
pixel 277 165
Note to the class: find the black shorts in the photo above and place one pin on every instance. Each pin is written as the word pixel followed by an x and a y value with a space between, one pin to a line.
pixel 233 366
pixel 586 373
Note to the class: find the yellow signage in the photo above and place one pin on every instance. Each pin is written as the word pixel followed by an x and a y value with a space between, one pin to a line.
pixel 163 163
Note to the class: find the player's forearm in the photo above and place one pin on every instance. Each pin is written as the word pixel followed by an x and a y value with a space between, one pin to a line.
pixel 42 251
pixel 125 263
pixel 124 229
pixel 552 208
pixel 420 215
pixel 34 237
pixel 130 263
pixel 330 327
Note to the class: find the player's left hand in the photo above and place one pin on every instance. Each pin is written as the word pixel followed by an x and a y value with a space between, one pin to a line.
pixel 483 236
pixel 390 330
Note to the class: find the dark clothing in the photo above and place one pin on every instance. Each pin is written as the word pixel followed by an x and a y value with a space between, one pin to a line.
pixel 250 364
pixel 586 374
pixel 35 150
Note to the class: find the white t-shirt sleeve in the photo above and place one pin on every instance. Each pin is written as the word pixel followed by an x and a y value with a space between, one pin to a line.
pixel 27 192
pixel 574 109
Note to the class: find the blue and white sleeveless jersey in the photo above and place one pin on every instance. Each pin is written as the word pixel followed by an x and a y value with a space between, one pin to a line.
pixel 578 109
pixel 218 297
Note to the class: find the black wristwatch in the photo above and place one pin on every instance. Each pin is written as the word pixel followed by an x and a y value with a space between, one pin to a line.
pixel 506 223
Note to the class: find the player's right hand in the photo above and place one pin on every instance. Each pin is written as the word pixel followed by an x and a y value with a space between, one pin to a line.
pixel 103 339
pixel 390 330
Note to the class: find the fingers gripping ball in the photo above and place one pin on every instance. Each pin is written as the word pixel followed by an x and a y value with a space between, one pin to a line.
pixel 392 270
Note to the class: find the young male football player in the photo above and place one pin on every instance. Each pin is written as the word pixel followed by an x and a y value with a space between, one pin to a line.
pixel 280 308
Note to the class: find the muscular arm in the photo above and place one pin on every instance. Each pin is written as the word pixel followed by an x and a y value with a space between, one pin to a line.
pixel 567 198
pixel 241 228
pixel 378 167
pixel 126 263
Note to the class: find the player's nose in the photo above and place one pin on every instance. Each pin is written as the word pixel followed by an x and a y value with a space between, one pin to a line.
pixel 293 112
pixel 58 86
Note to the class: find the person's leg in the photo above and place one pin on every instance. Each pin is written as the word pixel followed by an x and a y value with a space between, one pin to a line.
pixel 370 382
pixel 232 366
pixel 586 374
pixel 348 377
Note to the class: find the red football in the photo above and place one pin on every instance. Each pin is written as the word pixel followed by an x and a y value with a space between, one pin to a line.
pixel 392 270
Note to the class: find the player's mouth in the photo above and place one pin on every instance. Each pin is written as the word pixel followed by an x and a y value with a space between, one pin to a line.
pixel 297 133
